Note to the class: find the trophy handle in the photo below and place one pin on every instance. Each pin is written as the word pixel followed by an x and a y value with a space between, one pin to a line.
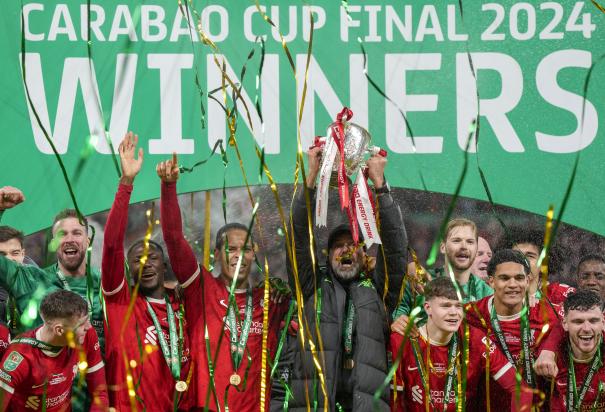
pixel 374 150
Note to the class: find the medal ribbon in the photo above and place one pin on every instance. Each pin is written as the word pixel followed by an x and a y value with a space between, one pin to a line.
pixel 239 345
pixel 38 344
pixel 572 395
pixel 525 343
pixel 89 286
pixel 172 354
pixel 348 329
pixel 451 375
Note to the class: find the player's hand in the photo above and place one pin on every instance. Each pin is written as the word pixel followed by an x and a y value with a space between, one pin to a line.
pixel 401 323
pixel 168 170
pixel 131 166
pixel 532 301
pixel 314 160
pixel 546 364
pixel 10 197
pixel 279 291
pixel 376 165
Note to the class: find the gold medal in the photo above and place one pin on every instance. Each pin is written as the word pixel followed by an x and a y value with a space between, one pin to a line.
pixel 235 379
pixel 181 386
pixel 349 363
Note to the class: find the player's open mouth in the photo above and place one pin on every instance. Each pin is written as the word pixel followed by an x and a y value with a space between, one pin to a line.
pixel 70 251
pixel 148 274
pixel 463 256
pixel 452 322
pixel 346 261
pixel 586 338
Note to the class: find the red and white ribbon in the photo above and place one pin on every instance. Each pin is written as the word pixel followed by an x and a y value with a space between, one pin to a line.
pixel 364 211
pixel 325 173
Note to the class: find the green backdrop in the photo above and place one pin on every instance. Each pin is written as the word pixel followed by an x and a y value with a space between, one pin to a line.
pixel 531 61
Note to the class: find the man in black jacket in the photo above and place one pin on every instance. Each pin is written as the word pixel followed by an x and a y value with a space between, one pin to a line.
pixel 344 301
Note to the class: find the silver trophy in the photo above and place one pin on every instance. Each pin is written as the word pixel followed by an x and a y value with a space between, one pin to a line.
pixel 356 148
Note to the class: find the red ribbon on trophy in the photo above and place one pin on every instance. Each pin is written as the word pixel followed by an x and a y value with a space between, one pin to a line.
pixel 350 143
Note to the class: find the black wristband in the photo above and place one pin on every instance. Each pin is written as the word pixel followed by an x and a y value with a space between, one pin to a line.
pixel 384 189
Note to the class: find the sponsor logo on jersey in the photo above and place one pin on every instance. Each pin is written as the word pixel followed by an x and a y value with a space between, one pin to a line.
pixel 5 376
pixel 33 402
pixel 57 378
pixel 242 309
pixel 12 361
pixel 151 336
pixel 412 368
pixel 417 394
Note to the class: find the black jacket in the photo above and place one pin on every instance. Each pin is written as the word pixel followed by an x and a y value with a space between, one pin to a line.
pixel 324 301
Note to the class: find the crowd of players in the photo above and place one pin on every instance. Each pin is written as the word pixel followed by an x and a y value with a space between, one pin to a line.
pixel 365 331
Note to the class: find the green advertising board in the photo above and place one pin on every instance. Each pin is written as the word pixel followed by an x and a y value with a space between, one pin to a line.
pixel 141 66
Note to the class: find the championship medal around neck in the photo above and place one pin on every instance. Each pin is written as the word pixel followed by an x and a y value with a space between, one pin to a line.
pixel 181 386
pixel 235 379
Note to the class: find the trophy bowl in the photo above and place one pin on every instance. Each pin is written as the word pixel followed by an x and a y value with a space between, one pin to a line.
pixel 357 142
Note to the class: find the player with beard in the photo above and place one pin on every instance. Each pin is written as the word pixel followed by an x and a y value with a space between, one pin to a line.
pixel 518 330
pixel 529 242
pixel 579 381
pixel 591 273
pixel 28 284
pixel 344 301
pixel 40 365
pixel 459 248
pixel 156 322
pixel 70 237
pixel 440 347
pixel 484 254
pixel 230 329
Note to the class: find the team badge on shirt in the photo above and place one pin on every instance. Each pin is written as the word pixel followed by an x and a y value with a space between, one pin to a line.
pixel 12 361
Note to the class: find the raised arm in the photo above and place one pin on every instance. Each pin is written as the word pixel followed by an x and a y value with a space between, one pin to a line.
pixel 112 278
pixel 182 259
pixel 300 229
pixel 9 197
pixel 394 238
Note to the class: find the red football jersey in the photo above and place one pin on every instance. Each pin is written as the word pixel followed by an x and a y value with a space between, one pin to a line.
pixel 151 374
pixel 559 398
pixel 539 315
pixel 206 300
pixel 410 388
pixel 5 339
pixel 210 313
pixel 153 381
pixel 29 373
pixel 558 292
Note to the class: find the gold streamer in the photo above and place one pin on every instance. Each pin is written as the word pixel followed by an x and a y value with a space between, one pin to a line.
pixel 263 371
pixel 133 296
pixel 543 261
pixel 598 6
pixel 207 207
pixel 303 325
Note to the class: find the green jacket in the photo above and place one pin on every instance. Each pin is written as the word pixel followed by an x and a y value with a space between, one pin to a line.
pixel 473 290
pixel 28 285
